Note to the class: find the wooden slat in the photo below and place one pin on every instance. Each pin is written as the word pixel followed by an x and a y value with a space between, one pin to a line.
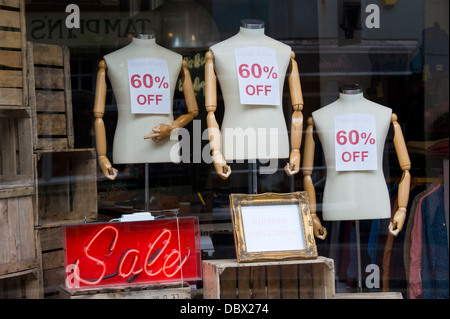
pixel 228 284
pixel 32 90
pixel 17 269
pixel 244 291
pixel 49 78
pixel 5 235
pixel 51 238
pixel 13 190
pixel 24 134
pixel 11 78
pixel 85 199
pixel 50 101
pixel 306 282
pixel 289 281
pixel 11 96
pixel 45 54
pixel 10 39
pixel 52 143
pixel 10 19
pixel 369 295
pixel 53 259
pixel 320 282
pixel 11 59
pixel 51 124
pixel 165 291
pixel 68 97
pixel 273 282
pixel 16 232
pixel 8 145
pixel 258 282
pixel 27 245
pixel 10 3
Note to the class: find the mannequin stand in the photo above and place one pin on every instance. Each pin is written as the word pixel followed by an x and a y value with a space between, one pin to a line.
pixel 146 195
pixel 255 177
pixel 358 255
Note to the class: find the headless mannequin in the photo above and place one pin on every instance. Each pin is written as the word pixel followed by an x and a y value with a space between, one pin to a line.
pixel 260 119
pixel 131 139
pixel 362 194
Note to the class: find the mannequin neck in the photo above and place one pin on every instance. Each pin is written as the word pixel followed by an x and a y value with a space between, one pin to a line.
pixel 350 98
pixel 251 32
pixel 143 41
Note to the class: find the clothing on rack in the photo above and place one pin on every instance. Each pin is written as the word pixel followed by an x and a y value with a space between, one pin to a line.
pixel 394 276
pixel 426 248
pixel 415 263
pixel 408 230
pixel 435 263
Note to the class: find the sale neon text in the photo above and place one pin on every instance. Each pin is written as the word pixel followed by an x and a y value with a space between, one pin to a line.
pixel 131 253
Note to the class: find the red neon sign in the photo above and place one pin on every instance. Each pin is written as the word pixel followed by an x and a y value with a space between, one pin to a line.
pixel 132 253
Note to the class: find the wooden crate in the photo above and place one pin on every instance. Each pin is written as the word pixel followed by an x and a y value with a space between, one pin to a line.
pixel 369 295
pixel 66 186
pixel 163 291
pixel 13 67
pixel 295 279
pixel 50 96
pixel 19 266
pixel 16 154
pixel 51 258
pixel 24 285
pixel 17 237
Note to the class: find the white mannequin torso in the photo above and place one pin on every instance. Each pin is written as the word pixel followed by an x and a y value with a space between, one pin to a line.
pixel 267 122
pixel 129 145
pixel 353 195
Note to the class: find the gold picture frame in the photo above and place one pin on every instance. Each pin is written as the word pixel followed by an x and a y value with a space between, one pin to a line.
pixel 272 227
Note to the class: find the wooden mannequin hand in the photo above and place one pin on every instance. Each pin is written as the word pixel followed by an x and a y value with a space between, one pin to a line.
pixel 293 167
pixel 319 231
pixel 106 167
pixel 396 225
pixel 222 169
pixel 161 132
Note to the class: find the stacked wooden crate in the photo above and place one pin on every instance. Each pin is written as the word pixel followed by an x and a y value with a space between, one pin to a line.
pixel 19 266
pixel 294 279
pixel 66 180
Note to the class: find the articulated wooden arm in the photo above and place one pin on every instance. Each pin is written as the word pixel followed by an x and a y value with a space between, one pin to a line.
pixel 398 220
pixel 295 88
pixel 99 126
pixel 162 131
pixel 308 166
pixel 222 169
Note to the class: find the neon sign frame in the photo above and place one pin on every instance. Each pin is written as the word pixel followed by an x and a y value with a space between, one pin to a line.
pixel 118 254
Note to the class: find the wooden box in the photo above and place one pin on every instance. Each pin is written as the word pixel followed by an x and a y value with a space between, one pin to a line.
pixel 51 257
pixel 66 186
pixel 19 267
pixel 369 295
pixel 13 67
pixel 17 237
pixel 16 154
pixel 295 279
pixel 163 291
pixel 50 96
pixel 21 286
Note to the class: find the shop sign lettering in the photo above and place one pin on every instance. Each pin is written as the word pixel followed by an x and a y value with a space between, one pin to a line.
pixel 73 19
